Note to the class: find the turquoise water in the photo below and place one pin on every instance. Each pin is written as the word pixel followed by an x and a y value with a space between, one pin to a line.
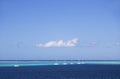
pixel 41 63
pixel 63 70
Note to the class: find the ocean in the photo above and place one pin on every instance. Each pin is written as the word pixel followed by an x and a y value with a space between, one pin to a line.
pixel 59 69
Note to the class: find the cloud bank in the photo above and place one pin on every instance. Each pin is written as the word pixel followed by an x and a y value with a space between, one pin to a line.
pixel 59 43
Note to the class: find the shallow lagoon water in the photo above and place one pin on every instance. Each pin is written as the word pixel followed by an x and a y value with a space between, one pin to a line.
pixel 53 62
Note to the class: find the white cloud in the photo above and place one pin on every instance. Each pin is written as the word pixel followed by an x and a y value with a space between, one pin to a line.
pixel 59 43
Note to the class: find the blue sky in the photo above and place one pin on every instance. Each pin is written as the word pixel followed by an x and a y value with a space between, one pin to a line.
pixel 60 29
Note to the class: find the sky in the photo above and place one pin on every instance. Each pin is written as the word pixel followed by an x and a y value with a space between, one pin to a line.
pixel 59 29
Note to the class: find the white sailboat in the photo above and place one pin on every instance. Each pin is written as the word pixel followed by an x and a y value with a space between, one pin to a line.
pixel 64 63
pixel 16 65
pixel 56 63
pixel 80 62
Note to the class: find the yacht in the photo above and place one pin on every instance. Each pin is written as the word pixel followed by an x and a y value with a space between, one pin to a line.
pixel 16 65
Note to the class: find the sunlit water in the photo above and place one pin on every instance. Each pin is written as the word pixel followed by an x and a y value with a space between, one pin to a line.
pixel 41 63
pixel 60 69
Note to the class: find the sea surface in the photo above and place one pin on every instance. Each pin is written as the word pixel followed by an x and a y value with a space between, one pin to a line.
pixel 64 69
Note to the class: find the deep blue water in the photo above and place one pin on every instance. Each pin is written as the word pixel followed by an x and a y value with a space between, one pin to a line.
pixel 81 71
